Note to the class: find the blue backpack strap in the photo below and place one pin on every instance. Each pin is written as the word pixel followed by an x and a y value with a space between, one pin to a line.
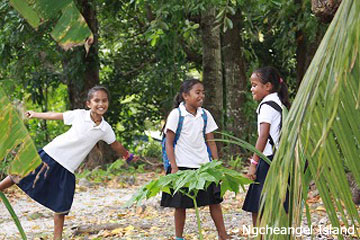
pixel 179 127
pixel 177 136
pixel 205 117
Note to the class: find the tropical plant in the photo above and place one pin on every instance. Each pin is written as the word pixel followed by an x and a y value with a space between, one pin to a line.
pixel 189 182
pixel 16 144
pixel 321 134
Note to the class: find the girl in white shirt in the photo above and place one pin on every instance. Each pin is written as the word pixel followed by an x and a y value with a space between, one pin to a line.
pixel 190 152
pixel 52 184
pixel 268 88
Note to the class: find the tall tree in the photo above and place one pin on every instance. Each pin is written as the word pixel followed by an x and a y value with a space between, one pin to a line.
pixel 235 80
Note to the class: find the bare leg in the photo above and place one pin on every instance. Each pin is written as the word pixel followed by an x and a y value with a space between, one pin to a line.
pixel 58 226
pixel 180 216
pixel 254 218
pixel 217 216
pixel 5 183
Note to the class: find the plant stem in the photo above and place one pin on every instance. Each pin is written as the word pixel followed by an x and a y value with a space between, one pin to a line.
pixel 13 215
pixel 198 218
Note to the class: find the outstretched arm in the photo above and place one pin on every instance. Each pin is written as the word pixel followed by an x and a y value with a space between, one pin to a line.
pixel 45 115
pixel 121 150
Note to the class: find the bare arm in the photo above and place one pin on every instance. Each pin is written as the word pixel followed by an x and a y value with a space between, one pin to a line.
pixel 260 145
pixel 170 136
pixel 121 150
pixel 262 139
pixel 45 115
pixel 212 145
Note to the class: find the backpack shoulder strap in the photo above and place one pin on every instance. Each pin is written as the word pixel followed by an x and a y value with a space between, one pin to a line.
pixel 205 117
pixel 179 126
pixel 275 106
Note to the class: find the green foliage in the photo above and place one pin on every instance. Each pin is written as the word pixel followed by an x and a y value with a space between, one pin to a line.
pixel 189 182
pixel 71 28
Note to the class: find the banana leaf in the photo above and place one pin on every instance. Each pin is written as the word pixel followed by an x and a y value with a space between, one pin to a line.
pixel 17 147
pixel 321 135
pixel 70 29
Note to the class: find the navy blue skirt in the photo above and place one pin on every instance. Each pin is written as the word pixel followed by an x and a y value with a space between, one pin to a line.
pixel 204 198
pixel 50 184
pixel 252 199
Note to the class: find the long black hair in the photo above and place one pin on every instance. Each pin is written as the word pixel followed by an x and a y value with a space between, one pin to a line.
pixel 185 87
pixel 271 74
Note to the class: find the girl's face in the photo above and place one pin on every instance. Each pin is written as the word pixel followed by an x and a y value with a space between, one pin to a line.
pixel 258 89
pixel 195 97
pixel 99 103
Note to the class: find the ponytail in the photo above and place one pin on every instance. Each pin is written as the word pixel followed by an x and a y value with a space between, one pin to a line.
pixel 177 100
pixel 284 95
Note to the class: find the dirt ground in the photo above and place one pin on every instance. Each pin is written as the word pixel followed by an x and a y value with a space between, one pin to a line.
pixel 98 213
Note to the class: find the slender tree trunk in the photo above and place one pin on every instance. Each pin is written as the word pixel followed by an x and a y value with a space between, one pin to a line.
pixel 212 72
pixel 305 49
pixel 82 73
pixel 235 80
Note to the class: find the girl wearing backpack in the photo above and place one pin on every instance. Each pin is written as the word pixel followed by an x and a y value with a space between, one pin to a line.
pixel 190 151
pixel 268 88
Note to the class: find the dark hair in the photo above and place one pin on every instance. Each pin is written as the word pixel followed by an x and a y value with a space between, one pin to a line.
pixel 185 87
pixel 271 74
pixel 95 89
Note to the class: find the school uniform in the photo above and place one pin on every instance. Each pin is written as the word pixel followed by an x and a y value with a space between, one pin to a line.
pixel 190 153
pixel 265 114
pixel 52 184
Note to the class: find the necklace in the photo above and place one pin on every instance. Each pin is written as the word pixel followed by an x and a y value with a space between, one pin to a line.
pixel 95 121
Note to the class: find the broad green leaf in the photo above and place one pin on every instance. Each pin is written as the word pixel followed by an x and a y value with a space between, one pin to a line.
pixel 16 141
pixel 70 30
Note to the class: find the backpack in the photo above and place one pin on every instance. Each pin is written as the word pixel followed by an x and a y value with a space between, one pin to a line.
pixel 275 106
pixel 165 158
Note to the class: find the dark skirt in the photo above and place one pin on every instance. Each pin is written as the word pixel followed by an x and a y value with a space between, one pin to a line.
pixel 52 186
pixel 204 198
pixel 252 199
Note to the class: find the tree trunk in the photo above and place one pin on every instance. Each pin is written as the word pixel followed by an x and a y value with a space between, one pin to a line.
pixel 325 9
pixel 212 72
pixel 82 73
pixel 235 80
pixel 305 49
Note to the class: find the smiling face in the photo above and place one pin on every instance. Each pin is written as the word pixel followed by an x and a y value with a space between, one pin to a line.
pixel 98 103
pixel 195 97
pixel 258 89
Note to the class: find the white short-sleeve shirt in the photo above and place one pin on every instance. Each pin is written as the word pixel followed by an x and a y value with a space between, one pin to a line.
pixel 190 149
pixel 71 148
pixel 269 115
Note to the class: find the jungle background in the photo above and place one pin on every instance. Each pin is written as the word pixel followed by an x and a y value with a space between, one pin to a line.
pixel 142 50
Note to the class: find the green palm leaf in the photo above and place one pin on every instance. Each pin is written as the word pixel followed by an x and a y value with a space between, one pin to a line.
pixel 322 128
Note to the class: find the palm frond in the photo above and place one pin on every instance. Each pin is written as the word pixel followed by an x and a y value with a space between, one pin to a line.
pixel 321 129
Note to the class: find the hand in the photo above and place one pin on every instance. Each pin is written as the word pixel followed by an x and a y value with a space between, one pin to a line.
pixel 135 158
pixel 174 169
pixel 30 114
pixel 251 172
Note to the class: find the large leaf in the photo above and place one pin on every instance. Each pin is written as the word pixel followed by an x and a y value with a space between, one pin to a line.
pixel 15 142
pixel 322 129
pixel 71 28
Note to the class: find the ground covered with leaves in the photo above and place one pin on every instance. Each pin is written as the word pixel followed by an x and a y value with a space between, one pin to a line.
pixel 98 213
